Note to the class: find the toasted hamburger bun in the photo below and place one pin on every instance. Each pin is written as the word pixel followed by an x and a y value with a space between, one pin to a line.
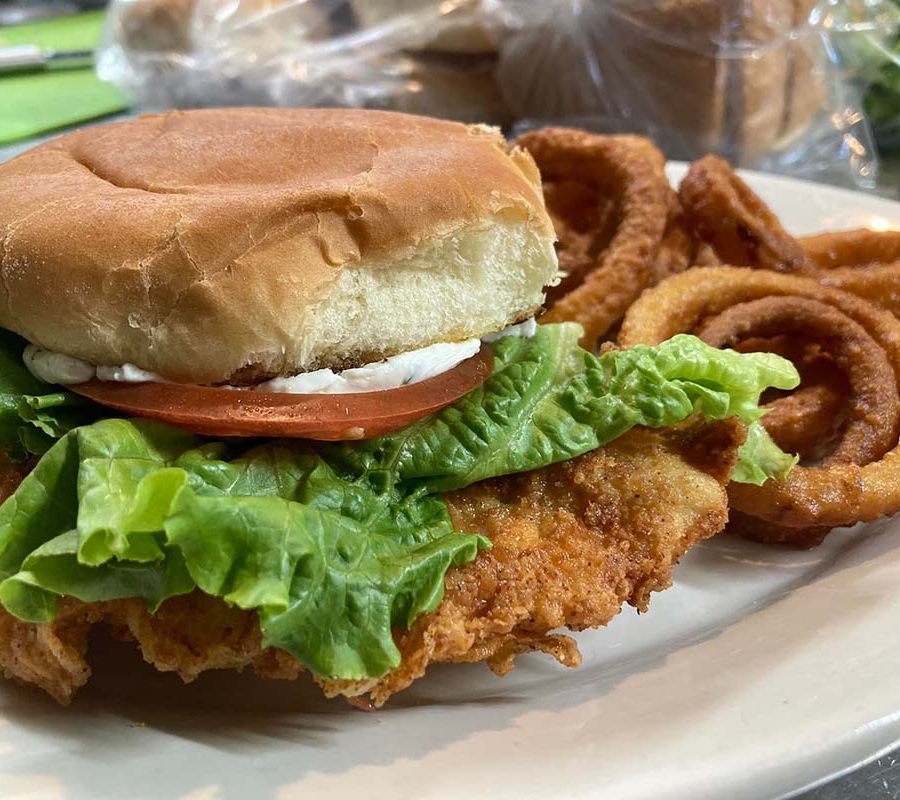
pixel 232 245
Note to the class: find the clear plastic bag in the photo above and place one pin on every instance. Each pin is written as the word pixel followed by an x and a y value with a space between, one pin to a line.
pixel 761 82
pixel 764 82
pixel 867 38
pixel 421 57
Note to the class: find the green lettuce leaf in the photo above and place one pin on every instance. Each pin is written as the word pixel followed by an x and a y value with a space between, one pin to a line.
pixel 43 506
pixel 33 414
pixel 548 400
pixel 53 570
pixel 331 567
pixel 336 545
pixel 760 459
pixel 329 590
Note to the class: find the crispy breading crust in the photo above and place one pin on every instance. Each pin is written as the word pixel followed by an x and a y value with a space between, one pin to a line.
pixel 571 544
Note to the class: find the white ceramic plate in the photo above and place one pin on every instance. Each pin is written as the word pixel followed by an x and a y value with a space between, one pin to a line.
pixel 760 672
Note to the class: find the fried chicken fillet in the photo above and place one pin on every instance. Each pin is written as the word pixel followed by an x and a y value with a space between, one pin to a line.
pixel 571 544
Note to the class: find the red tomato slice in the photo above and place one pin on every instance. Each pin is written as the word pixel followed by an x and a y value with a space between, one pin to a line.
pixel 227 412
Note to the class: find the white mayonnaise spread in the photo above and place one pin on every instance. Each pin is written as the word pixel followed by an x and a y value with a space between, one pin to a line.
pixel 390 373
pixel 399 370
pixel 524 330
pixel 128 373
pixel 55 367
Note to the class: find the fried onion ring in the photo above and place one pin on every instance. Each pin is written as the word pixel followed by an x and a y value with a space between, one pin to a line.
pixel 610 201
pixel 812 499
pixel 877 283
pixel 678 249
pixel 762 530
pixel 722 210
pixel 856 248
pixel 728 215
pixel 584 225
pixel 863 262
pixel 808 421
pixel 874 414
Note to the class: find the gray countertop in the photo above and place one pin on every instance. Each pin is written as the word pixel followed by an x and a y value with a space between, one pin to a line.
pixel 879 780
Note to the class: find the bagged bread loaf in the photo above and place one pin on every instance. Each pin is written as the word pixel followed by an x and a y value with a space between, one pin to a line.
pixel 698 75
pixel 420 57
pixel 184 26
pixel 462 26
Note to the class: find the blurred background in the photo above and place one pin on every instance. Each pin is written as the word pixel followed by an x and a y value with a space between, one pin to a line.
pixel 810 89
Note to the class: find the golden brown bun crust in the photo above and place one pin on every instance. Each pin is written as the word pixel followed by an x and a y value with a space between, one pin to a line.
pixel 195 244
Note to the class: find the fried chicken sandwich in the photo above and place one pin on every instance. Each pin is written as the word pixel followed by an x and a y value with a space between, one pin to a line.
pixel 272 394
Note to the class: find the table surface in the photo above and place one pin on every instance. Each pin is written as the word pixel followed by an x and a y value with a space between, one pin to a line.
pixel 879 780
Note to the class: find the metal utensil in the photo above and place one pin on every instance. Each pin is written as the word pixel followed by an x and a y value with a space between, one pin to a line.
pixel 31 58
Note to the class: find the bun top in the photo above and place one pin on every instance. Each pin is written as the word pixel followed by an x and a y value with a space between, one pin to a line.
pixel 235 244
